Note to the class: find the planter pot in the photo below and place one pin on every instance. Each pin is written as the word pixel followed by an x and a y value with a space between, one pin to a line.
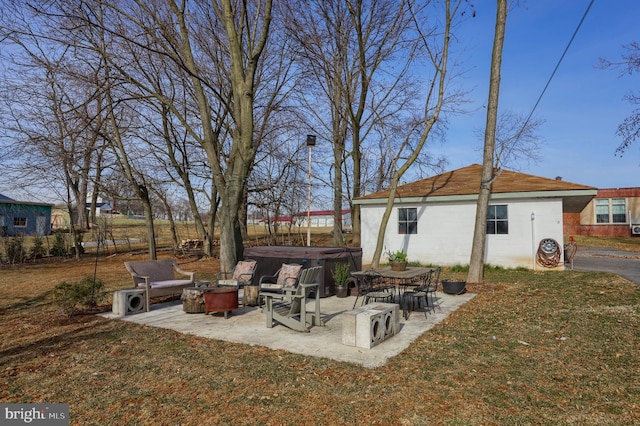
pixel 342 291
pixel 454 287
pixel 398 266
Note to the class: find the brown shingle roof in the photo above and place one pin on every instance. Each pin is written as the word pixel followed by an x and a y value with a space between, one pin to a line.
pixel 466 181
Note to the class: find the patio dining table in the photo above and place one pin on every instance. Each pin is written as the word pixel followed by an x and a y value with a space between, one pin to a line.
pixel 399 279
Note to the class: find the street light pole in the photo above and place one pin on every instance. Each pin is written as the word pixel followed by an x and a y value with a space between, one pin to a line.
pixel 311 142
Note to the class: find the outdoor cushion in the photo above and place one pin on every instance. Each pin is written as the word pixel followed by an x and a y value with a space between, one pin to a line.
pixel 271 285
pixel 166 283
pixel 288 276
pixel 243 268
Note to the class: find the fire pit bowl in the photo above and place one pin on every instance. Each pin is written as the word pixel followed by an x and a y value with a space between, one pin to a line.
pixel 454 287
pixel 221 299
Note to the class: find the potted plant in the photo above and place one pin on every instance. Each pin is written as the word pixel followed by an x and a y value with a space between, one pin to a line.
pixel 341 278
pixel 398 260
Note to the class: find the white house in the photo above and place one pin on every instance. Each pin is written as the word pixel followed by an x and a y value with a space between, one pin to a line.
pixel 433 219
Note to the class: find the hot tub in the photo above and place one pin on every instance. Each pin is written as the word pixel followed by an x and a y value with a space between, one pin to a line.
pixel 271 258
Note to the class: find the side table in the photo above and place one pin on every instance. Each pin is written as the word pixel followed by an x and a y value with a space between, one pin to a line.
pixel 250 295
pixel 193 299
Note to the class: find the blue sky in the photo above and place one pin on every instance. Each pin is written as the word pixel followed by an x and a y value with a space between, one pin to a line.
pixel 583 104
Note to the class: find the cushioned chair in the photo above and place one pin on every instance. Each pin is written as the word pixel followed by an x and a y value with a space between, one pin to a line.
pixel 240 275
pixel 282 283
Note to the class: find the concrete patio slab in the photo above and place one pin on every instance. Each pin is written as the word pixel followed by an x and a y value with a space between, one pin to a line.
pixel 248 325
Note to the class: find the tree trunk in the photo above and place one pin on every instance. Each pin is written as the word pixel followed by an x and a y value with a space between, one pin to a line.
pixel 143 192
pixel 476 262
pixel 375 263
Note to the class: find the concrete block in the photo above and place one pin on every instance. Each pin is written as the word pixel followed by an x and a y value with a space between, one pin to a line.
pixel 128 302
pixel 370 325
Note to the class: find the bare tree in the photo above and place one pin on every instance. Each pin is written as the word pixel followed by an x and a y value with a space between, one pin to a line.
pixel 278 185
pixel 355 55
pixel 629 129
pixel 54 113
pixel 476 262
pixel 219 47
pixel 517 140
pixel 436 45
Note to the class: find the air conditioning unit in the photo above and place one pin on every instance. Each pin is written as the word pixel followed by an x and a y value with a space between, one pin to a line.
pixel 635 229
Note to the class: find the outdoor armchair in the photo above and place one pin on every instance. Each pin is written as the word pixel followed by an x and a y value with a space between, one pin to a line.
pixel 292 310
pixel 239 276
pixel 282 283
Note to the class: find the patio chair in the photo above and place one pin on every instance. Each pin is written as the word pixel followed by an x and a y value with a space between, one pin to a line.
pixel 372 286
pixel 239 276
pixel 292 310
pixel 414 297
pixel 282 283
pixel 432 299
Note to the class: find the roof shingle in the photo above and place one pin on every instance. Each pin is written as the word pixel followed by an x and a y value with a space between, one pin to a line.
pixel 466 181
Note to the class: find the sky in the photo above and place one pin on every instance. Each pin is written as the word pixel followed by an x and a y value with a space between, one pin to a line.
pixel 583 104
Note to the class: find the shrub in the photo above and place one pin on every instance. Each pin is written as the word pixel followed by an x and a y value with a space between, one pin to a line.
pixel 59 246
pixel 38 250
pixel 14 249
pixel 74 298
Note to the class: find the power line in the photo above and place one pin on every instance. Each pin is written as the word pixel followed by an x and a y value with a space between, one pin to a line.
pixel 586 12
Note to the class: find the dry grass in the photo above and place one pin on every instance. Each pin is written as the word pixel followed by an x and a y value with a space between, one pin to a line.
pixel 531 348
pixel 620 243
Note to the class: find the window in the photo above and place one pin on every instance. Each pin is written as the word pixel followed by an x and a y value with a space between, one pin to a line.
pixel 611 210
pixel 19 222
pixel 408 221
pixel 497 220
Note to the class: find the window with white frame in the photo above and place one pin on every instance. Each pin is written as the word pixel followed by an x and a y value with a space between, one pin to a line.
pixel 407 221
pixel 19 222
pixel 611 210
pixel 498 220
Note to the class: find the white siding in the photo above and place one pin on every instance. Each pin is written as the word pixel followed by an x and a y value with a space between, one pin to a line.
pixel 445 232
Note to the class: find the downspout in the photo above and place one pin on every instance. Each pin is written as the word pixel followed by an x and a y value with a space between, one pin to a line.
pixel 533 240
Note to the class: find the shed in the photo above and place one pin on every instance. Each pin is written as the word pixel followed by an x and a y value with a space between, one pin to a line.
pixel 24 218
pixel 433 219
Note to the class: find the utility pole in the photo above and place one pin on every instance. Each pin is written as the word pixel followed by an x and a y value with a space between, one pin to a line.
pixel 311 142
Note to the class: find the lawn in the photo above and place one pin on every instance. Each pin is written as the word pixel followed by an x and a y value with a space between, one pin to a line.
pixel 532 348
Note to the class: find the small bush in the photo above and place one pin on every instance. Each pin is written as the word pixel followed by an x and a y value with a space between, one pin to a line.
pixel 14 249
pixel 74 298
pixel 38 249
pixel 59 247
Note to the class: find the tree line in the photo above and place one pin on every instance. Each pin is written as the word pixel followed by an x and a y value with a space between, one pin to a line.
pixel 210 101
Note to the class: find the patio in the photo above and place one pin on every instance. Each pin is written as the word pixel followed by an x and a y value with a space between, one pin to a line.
pixel 247 325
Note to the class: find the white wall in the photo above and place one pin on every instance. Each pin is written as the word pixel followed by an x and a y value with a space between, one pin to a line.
pixel 445 232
